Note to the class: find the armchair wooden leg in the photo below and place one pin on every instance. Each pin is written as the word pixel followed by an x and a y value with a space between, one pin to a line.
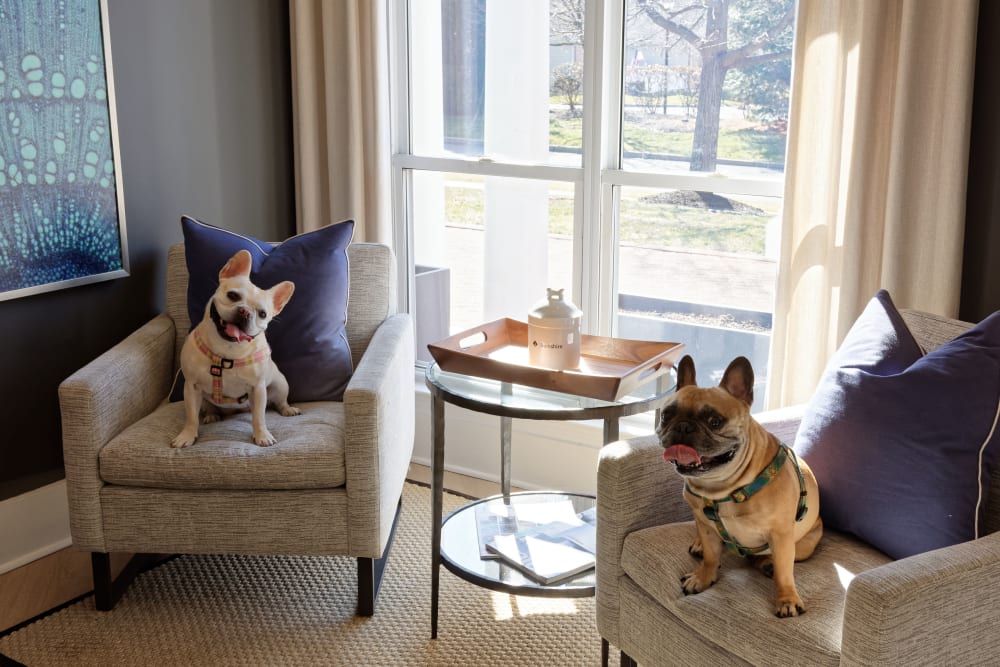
pixel 625 660
pixel 370 571
pixel 108 590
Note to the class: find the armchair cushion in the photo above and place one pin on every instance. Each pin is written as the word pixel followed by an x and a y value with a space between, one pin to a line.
pixel 896 465
pixel 309 453
pixel 308 341
pixel 655 559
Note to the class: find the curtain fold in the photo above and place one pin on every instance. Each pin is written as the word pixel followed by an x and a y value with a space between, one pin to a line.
pixel 340 109
pixel 878 147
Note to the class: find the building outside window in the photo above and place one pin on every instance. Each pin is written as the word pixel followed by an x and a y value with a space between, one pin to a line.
pixel 629 151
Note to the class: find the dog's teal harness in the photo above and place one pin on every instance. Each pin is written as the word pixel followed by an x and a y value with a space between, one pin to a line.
pixel 711 506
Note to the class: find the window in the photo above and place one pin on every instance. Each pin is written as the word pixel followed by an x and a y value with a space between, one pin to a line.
pixel 607 148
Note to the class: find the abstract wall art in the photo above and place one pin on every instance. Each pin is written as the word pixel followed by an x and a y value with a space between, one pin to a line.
pixel 62 218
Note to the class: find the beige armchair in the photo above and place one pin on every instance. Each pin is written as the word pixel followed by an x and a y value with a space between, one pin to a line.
pixel 331 486
pixel 937 608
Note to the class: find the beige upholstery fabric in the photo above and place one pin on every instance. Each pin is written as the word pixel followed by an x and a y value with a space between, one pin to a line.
pixel 652 632
pixel 292 523
pixel 311 455
pixel 936 608
pixel 656 558
pixel 329 486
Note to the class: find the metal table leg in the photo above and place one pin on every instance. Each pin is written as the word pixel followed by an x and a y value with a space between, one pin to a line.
pixel 505 429
pixel 506 424
pixel 437 504
pixel 610 429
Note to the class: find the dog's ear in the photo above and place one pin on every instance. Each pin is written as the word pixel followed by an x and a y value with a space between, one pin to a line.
pixel 238 265
pixel 280 294
pixel 738 380
pixel 686 372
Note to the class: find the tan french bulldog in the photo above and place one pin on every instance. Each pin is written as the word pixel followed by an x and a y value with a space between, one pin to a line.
pixel 748 492
pixel 226 359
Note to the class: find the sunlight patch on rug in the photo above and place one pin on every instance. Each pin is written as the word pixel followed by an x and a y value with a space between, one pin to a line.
pixel 506 606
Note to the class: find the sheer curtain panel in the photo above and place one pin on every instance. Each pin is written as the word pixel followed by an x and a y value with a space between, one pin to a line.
pixel 876 170
pixel 340 106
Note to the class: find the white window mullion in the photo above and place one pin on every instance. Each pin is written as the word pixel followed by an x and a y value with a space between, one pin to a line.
pixel 487 167
pixel 610 200
pixel 601 151
pixel 399 139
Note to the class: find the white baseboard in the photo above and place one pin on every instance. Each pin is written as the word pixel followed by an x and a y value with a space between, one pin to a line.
pixel 33 525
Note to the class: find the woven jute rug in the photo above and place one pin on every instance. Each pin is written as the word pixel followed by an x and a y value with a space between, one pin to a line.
pixel 254 610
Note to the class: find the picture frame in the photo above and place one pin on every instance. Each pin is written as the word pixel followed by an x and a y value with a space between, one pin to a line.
pixel 62 212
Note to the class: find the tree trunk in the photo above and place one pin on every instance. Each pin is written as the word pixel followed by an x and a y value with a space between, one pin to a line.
pixel 705 148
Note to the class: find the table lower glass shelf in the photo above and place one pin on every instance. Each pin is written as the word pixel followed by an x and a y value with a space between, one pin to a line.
pixel 460 550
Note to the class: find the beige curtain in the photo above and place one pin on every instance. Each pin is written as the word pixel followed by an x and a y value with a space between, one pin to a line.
pixel 875 173
pixel 340 107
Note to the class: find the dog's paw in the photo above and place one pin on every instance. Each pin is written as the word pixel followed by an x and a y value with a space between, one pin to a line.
pixel 692 583
pixel 211 418
pixel 789 607
pixel 264 438
pixel 184 439
pixel 696 550
pixel 289 411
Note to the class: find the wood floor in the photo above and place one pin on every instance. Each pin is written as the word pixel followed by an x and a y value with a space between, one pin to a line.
pixel 48 582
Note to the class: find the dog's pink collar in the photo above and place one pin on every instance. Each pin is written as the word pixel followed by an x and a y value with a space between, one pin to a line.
pixel 220 363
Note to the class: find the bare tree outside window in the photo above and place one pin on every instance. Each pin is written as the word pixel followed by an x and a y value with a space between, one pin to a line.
pixel 727 35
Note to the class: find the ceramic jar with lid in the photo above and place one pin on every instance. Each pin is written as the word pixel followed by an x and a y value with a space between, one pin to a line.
pixel 554 333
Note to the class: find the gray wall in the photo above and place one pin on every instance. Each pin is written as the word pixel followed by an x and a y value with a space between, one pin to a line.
pixel 204 125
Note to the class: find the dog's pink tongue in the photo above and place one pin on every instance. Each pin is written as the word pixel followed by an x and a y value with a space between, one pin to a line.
pixel 234 331
pixel 682 455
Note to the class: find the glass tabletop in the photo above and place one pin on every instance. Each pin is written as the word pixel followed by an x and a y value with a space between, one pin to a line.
pixel 460 549
pixel 509 398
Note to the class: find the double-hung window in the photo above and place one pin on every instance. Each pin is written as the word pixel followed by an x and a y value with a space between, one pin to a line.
pixel 630 152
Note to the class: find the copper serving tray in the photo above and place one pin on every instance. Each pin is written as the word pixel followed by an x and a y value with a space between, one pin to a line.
pixel 609 367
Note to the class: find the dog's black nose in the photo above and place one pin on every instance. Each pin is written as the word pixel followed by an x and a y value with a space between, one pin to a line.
pixel 684 426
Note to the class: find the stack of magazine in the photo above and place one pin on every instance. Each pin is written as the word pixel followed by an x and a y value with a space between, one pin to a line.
pixel 549 541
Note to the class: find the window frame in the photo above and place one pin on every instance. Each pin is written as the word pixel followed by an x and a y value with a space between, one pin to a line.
pixel 598 180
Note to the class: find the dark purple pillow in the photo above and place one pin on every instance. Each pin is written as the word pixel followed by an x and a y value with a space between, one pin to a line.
pixel 308 339
pixel 903 444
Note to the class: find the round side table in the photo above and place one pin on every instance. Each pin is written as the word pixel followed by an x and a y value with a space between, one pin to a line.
pixel 513 401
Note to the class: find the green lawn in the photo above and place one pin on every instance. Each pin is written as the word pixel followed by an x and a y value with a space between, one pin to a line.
pixel 643 223
pixel 753 145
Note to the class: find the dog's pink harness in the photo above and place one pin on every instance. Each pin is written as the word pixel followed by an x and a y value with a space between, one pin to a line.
pixel 220 363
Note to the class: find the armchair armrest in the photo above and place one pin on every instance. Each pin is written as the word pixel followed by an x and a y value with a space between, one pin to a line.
pixel 379 421
pixel 936 608
pixel 97 402
pixel 635 490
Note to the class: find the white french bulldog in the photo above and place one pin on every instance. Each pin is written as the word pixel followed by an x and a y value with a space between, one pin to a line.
pixel 226 359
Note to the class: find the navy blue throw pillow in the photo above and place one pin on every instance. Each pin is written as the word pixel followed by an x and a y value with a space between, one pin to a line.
pixel 308 339
pixel 904 444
